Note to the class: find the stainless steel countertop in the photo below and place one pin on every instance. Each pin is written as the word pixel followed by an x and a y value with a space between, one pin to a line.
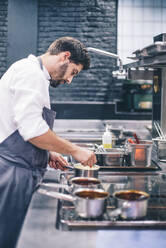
pixel 74 130
pixel 62 125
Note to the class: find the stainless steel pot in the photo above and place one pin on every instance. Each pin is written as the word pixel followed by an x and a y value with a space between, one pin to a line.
pixel 86 171
pixel 89 203
pixel 111 157
pixel 76 183
pixel 131 204
pixel 139 154
pixel 84 181
pixel 161 148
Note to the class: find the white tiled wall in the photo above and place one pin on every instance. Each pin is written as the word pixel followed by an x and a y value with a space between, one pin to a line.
pixel 138 22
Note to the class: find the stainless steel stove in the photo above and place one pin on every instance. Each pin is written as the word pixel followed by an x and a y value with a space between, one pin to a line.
pixel 152 183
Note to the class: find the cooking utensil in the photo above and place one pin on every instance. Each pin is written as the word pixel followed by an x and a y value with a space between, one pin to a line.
pixel 75 183
pixel 89 203
pixel 131 204
pixel 159 130
pixel 86 171
pixel 99 148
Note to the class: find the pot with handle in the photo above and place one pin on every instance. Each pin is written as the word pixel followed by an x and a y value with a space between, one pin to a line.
pixel 82 170
pixel 76 183
pixel 131 204
pixel 86 171
pixel 89 203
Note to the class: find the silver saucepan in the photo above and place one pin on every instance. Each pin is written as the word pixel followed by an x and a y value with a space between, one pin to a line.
pixel 131 204
pixel 82 170
pixel 86 171
pixel 75 183
pixel 89 203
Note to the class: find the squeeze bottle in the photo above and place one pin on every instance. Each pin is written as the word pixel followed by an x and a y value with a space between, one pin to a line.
pixel 107 138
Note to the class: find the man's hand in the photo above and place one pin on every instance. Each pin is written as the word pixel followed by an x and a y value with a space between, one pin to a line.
pixel 56 161
pixel 84 156
pixel 51 142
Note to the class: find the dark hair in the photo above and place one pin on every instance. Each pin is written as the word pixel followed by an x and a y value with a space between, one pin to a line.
pixel 79 53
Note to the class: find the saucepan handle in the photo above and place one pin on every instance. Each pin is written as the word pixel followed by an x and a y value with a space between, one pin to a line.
pixel 118 211
pixel 57 195
pixel 56 186
pixel 115 213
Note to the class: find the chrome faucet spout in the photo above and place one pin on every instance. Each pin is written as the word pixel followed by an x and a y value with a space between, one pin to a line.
pixel 105 53
pixel 102 52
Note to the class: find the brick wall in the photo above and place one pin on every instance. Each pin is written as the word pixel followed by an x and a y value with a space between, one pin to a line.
pixel 95 24
pixel 3 35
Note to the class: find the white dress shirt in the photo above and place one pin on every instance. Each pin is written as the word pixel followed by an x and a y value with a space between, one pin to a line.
pixel 24 92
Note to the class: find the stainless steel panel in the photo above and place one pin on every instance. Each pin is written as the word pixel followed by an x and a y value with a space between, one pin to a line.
pixel 163 101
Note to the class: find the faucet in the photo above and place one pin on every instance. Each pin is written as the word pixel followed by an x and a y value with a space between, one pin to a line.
pixel 112 55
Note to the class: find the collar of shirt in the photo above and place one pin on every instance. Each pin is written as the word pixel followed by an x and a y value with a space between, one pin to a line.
pixel 46 74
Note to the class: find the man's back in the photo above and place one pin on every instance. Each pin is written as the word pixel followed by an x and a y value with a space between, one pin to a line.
pixel 22 89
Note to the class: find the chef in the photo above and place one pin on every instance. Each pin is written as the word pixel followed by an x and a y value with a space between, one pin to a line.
pixel 26 125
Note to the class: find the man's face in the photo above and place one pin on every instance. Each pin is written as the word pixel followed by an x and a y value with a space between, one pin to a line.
pixel 64 73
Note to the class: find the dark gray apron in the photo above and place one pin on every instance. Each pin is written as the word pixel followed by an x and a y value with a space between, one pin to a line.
pixel 22 166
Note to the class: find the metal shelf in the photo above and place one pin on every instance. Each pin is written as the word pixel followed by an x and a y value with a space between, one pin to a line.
pixel 157 61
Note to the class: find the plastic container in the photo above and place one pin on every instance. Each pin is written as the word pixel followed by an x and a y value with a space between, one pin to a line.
pixel 107 138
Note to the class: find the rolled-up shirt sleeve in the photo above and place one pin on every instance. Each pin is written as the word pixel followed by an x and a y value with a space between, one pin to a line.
pixel 28 98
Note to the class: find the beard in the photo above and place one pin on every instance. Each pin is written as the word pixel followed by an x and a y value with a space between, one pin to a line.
pixel 54 83
pixel 60 74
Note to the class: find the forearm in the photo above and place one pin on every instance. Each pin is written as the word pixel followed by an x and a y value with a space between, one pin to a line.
pixel 50 141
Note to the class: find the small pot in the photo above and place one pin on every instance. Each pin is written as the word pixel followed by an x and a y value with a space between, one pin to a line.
pixel 131 204
pixel 86 171
pixel 84 181
pixel 89 203
pixel 76 183
pixel 83 171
